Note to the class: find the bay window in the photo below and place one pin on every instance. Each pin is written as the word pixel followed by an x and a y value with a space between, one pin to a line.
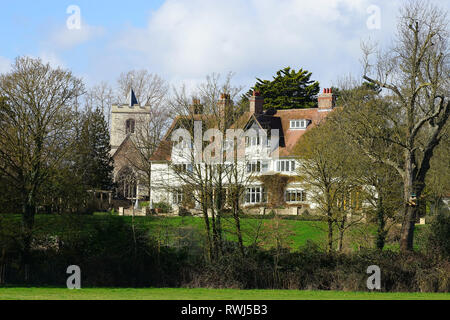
pixel 255 195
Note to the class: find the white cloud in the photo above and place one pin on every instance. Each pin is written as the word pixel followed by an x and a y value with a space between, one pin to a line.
pixel 65 38
pixel 189 39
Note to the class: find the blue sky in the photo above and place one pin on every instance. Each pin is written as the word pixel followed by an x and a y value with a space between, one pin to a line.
pixel 184 40
pixel 29 28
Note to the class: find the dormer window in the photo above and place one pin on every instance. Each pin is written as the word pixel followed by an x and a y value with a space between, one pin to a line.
pixel 299 124
pixel 129 126
pixel 252 141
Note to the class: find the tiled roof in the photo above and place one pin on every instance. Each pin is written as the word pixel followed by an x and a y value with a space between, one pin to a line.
pixel 280 120
pixel 292 136
pixel 164 150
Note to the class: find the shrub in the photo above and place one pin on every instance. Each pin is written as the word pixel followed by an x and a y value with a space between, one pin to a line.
pixel 438 235
pixel 144 204
pixel 112 253
pixel 163 206
pixel 183 212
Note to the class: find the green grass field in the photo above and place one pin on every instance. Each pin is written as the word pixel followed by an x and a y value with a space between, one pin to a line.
pixel 205 294
pixel 300 232
pixel 169 229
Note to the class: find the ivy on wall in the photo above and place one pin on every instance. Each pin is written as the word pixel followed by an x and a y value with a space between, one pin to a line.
pixel 275 186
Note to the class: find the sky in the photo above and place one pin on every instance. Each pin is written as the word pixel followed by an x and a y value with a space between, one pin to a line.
pixel 185 40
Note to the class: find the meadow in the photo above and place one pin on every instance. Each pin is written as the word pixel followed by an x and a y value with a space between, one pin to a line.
pixel 205 294
pixel 254 229
pixel 169 252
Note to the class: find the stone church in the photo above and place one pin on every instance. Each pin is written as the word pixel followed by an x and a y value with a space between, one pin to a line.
pixel 127 124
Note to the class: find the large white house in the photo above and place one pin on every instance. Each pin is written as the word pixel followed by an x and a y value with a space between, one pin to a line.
pixel 264 156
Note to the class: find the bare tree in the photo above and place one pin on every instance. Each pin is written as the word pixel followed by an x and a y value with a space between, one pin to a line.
pixel 36 129
pixel 150 89
pixel 415 77
pixel 327 169
pixel 102 97
pixel 207 181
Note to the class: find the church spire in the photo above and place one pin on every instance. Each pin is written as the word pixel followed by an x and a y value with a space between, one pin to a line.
pixel 131 99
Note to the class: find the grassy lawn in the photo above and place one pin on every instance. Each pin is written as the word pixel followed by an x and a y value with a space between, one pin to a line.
pixel 168 229
pixel 205 294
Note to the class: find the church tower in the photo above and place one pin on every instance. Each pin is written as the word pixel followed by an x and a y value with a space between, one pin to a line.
pixel 128 123
pixel 126 120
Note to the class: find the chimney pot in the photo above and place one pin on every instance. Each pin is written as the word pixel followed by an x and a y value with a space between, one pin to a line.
pixel 256 103
pixel 196 107
pixel 327 100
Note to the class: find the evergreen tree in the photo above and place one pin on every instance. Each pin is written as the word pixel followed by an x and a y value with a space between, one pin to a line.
pixel 289 89
pixel 95 161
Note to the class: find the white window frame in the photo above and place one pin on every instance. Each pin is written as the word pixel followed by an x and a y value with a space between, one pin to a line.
pixel 299 124
pixel 252 141
pixel 264 166
pixel 299 195
pixel 254 166
pixel 285 166
pixel 177 197
pixel 255 195
pixel 184 167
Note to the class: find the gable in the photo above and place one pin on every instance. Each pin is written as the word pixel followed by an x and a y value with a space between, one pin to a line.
pixel 126 150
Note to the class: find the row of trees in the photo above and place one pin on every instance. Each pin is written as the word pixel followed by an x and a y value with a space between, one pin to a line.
pixel 390 133
pixel 377 148
pixel 52 152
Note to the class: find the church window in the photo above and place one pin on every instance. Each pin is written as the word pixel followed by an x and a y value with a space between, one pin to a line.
pixel 130 125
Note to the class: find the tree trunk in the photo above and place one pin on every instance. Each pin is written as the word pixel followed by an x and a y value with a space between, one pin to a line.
pixel 207 226
pixel 411 186
pixel 330 233
pixel 407 236
pixel 341 232
pixel 28 224
pixel 238 223
pixel 381 232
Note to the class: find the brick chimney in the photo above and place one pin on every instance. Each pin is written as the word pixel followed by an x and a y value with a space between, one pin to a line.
pixel 224 105
pixel 256 103
pixel 327 100
pixel 196 107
